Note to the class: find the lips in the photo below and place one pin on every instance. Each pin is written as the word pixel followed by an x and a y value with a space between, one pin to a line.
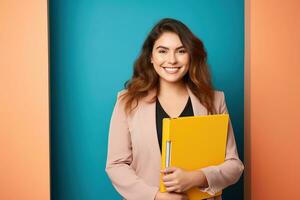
pixel 171 70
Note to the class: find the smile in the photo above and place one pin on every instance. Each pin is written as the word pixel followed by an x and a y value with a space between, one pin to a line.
pixel 171 70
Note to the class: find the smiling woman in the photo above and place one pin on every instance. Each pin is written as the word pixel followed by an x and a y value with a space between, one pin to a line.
pixel 169 57
pixel 170 79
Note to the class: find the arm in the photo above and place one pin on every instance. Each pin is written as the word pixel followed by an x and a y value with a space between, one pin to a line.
pixel 119 158
pixel 220 176
pixel 210 179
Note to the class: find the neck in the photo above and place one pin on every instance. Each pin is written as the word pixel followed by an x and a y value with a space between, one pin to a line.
pixel 172 89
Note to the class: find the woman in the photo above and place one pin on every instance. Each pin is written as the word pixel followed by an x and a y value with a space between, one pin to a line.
pixel 170 79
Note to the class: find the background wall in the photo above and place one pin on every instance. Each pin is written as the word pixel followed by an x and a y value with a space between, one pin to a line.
pixel 93 46
pixel 24 101
pixel 90 41
pixel 273 96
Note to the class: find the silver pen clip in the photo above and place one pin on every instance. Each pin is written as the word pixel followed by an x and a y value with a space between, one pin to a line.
pixel 168 153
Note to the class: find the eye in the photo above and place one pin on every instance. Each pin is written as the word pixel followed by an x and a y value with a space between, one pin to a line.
pixel 182 51
pixel 162 51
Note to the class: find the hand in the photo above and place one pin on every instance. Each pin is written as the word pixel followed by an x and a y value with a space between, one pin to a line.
pixel 179 180
pixel 170 196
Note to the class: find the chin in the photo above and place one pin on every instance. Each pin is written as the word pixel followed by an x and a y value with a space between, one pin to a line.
pixel 172 80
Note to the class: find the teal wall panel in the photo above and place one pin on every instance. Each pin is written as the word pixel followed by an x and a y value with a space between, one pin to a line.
pixel 93 45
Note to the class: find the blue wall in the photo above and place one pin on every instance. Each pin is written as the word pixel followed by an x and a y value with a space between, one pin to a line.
pixel 93 45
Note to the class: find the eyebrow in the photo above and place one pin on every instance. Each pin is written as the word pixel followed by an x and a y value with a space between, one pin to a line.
pixel 168 48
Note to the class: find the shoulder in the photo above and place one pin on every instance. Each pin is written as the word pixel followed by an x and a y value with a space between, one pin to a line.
pixel 121 93
pixel 119 101
pixel 218 95
pixel 219 101
pixel 122 103
pixel 148 97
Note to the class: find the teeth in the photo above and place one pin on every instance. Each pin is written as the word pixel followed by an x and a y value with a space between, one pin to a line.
pixel 171 69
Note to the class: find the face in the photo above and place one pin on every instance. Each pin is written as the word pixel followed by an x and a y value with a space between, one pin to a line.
pixel 169 58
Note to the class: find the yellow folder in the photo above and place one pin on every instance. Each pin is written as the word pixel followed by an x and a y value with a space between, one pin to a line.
pixel 192 143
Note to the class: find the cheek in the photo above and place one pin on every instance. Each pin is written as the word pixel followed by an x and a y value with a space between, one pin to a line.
pixel 184 60
pixel 158 60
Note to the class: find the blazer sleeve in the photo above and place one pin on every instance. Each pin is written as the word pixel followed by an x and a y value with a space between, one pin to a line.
pixel 229 172
pixel 119 158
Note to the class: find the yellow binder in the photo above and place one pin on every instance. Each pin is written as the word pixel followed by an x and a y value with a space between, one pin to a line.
pixel 192 143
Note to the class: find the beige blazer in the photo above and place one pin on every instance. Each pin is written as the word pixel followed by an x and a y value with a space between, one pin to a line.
pixel 134 158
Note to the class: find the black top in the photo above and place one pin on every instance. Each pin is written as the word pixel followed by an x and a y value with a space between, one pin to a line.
pixel 161 113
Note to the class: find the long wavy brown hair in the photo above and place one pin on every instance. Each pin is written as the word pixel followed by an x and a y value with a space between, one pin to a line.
pixel 145 78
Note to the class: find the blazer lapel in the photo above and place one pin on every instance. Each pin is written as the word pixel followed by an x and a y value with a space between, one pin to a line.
pixel 149 116
pixel 149 113
pixel 198 108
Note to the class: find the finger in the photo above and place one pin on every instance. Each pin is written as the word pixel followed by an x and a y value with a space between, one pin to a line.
pixel 170 183
pixel 171 189
pixel 169 170
pixel 169 177
pixel 178 190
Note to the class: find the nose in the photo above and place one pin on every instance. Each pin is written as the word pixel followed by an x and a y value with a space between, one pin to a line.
pixel 172 58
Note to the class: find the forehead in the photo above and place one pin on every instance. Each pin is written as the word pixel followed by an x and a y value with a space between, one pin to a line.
pixel 168 39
